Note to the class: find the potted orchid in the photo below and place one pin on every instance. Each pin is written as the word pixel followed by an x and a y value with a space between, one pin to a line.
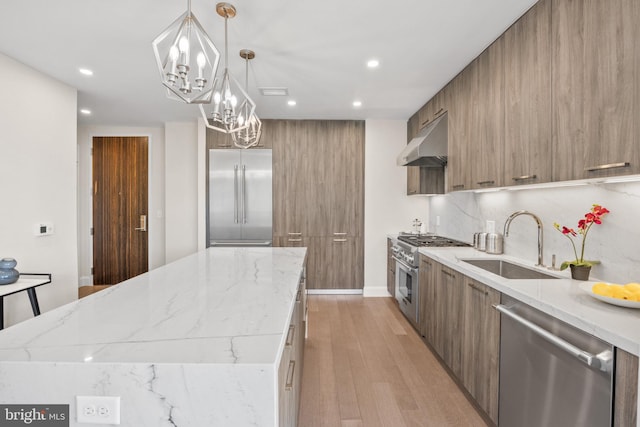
pixel 581 267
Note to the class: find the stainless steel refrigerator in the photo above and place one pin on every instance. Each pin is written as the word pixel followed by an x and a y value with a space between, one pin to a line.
pixel 239 204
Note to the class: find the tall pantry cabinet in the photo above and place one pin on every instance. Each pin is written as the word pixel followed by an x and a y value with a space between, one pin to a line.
pixel 318 196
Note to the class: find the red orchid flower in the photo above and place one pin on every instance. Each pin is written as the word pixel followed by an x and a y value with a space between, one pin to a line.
pixel 594 216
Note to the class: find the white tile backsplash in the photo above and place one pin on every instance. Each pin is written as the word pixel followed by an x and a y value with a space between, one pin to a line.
pixel 616 243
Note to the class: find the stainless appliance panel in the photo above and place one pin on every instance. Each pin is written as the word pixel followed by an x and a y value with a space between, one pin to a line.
pixel 256 191
pixel 240 202
pixel 407 290
pixel 224 208
pixel 545 378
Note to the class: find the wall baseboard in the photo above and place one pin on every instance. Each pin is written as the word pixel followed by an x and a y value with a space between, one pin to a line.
pixel 334 291
pixel 85 281
pixel 375 291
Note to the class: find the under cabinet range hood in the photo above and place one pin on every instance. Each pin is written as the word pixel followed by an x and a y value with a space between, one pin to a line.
pixel 429 147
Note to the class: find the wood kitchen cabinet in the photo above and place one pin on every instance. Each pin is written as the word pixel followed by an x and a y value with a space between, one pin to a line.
pixel 460 101
pixel 485 138
pixel 595 88
pixel 318 196
pixel 481 345
pixel 449 317
pixel 527 98
pixel 625 406
pixel 391 270
pixel 413 172
pixel 217 139
pixel 428 299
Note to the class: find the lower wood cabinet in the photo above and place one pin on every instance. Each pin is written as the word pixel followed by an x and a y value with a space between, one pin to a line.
pixel 290 368
pixel 335 262
pixel 458 321
pixel 481 345
pixel 391 270
pixel 625 406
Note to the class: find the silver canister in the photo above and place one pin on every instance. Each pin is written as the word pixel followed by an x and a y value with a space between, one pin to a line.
pixel 482 242
pixel 494 243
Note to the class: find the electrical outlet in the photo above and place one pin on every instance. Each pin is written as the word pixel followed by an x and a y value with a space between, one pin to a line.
pixel 98 409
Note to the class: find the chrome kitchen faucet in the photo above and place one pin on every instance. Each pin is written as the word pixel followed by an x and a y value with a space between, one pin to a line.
pixel 540 236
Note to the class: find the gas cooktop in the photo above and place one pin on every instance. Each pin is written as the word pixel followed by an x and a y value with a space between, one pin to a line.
pixel 429 240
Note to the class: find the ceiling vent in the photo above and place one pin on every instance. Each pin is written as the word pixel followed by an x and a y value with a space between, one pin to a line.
pixel 274 91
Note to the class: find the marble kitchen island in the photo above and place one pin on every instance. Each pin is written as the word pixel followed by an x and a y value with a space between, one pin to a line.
pixel 196 342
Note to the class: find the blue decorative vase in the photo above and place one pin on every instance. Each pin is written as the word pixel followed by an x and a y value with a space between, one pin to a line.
pixel 8 273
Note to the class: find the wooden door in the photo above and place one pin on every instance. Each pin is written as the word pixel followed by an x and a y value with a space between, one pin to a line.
pixel 460 100
pixel 120 197
pixel 428 302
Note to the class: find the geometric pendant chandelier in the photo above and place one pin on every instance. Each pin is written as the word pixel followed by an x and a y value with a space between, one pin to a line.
pixel 231 106
pixel 187 60
pixel 249 136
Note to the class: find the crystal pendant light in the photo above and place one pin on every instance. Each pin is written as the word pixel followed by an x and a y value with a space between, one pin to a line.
pixel 231 105
pixel 187 60
pixel 249 136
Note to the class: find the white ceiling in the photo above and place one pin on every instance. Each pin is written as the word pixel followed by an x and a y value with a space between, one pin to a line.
pixel 317 49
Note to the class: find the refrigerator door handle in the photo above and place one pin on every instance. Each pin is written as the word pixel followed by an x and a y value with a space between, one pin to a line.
pixel 235 194
pixel 244 195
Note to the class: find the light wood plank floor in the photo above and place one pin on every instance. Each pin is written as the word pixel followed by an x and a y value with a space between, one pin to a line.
pixel 365 366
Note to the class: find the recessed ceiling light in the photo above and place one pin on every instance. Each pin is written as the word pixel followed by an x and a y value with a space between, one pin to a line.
pixel 291 102
pixel 357 104
pixel 85 71
pixel 85 111
pixel 373 63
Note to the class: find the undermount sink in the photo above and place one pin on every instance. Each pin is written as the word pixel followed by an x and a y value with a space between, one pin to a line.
pixel 507 269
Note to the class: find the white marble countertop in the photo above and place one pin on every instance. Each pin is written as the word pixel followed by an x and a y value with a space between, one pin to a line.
pixel 222 306
pixel 561 298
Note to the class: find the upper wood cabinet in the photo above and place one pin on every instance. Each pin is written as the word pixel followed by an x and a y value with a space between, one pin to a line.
pixel 595 88
pixel 485 140
pixel 527 98
pixel 413 172
pixel 461 110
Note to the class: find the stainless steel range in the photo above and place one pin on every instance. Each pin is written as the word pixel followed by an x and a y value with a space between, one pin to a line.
pixel 405 253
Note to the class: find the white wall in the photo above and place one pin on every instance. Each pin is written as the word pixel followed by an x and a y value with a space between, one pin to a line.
pixel 38 121
pixel 614 243
pixel 387 208
pixel 155 218
pixel 182 194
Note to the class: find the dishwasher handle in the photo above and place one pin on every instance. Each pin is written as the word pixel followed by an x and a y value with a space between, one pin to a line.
pixel 602 361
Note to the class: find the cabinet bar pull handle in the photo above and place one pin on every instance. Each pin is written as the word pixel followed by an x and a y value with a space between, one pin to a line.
pixel 295 240
pixel 298 295
pixel 608 166
pixel 290 335
pixel 294 234
pixel 457 186
pixel 340 240
pixel 439 111
pixel 339 234
pixel 524 177
pixel 491 182
pixel 446 273
pixel 423 124
pixel 292 367
pixel 476 288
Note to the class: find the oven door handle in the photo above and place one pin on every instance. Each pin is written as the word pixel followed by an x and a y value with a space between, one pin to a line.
pixel 405 265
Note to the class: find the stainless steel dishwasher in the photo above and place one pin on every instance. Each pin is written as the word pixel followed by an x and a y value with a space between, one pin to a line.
pixel 551 374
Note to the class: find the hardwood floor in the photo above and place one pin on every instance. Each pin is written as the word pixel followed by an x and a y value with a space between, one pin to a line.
pixel 365 366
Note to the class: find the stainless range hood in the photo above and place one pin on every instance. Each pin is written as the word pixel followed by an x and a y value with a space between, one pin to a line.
pixel 429 147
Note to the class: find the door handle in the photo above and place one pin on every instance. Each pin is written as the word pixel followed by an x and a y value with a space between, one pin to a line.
pixel 244 197
pixel 235 193
pixel 143 223
pixel 602 361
